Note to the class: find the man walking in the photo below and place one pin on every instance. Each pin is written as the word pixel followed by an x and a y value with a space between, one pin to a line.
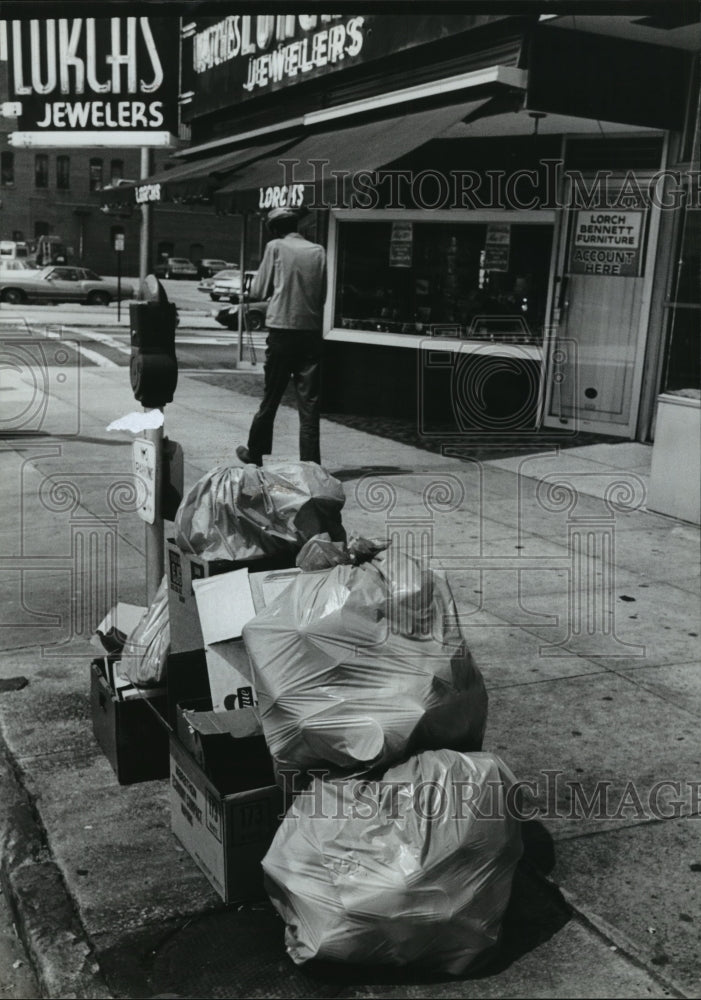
pixel 293 274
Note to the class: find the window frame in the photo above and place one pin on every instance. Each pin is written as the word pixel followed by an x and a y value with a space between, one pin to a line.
pixel 7 156
pixel 41 171
pixel 95 163
pixel 63 172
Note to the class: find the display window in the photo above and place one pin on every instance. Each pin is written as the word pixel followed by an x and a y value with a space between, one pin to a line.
pixel 481 281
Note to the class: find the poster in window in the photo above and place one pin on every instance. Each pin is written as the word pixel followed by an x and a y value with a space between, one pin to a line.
pixel 401 244
pixel 497 246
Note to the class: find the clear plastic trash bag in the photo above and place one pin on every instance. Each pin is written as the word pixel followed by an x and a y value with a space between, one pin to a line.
pixel 413 869
pixel 358 666
pixel 145 652
pixel 247 512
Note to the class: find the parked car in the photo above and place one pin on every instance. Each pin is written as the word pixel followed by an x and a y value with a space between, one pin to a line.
pixel 224 284
pixel 175 267
pixel 255 316
pixel 61 284
pixel 209 266
pixel 9 265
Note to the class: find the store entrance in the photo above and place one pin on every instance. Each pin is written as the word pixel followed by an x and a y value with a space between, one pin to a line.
pixel 599 321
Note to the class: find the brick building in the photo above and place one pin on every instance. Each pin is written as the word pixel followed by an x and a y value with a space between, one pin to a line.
pixel 56 191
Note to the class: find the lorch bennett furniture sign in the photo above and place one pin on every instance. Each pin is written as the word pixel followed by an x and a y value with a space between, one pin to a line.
pixel 89 81
pixel 607 243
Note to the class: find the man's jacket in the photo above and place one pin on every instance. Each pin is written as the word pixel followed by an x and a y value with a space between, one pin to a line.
pixel 293 274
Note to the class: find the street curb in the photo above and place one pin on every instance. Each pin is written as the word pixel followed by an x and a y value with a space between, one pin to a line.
pixel 46 918
pixel 56 943
pixel 616 938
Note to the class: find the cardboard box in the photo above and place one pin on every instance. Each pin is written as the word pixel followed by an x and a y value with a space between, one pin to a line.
pixel 183 568
pixel 225 603
pixel 132 734
pixel 226 745
pixel 226 833
pixel 186 677
pixel 115 628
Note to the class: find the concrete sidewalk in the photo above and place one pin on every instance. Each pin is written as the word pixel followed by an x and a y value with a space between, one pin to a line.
pixel 582 610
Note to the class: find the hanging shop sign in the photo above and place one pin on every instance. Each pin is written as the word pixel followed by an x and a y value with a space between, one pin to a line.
pixel 233 59
pixel 401 244
pixel 281 196
pixel 607 243
pixel 497 246
pixel 90 81
pixel 144 193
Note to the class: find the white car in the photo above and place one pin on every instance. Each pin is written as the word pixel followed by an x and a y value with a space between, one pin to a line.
pixel 223 285
pixel 61 284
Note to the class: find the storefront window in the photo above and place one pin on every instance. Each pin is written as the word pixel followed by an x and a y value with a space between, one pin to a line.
pixel 683 361
pixel 475 281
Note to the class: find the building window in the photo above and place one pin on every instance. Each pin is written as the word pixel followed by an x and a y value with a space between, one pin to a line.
pixel 41 170
pixel 7 169
pixel 63 172
pixel 116 171
pixel 474 281
pixel 41 229
pixel 95 174
pixel 682 369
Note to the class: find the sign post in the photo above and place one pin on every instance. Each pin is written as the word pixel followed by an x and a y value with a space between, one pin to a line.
pixel 119 250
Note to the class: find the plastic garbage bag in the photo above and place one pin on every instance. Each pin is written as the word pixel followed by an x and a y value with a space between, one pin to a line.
pixel 362 549
pixel 413 869
pixel 358 666
pixel 321 553
pixel 246 512
pixel 145 652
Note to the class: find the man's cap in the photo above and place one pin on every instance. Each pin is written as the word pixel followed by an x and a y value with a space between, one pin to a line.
pixel 275 214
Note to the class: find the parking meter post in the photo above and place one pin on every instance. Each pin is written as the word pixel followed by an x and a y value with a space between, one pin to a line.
pixel 153 372
pixel 155 545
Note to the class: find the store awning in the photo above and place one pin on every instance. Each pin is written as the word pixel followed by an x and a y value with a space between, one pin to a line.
pixel 305 170
pixel 189 182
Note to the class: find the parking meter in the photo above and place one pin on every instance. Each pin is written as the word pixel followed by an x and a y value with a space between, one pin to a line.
pixel 153 368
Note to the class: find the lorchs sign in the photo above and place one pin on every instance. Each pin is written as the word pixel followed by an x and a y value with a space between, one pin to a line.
pixel 91 81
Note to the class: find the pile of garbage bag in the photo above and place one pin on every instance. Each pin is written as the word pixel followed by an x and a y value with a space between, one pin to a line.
pixel 357 666
pixel 413 869
pixel 402 849
pixel 247 512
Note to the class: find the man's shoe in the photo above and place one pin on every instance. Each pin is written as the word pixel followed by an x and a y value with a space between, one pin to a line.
pixel 243 454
